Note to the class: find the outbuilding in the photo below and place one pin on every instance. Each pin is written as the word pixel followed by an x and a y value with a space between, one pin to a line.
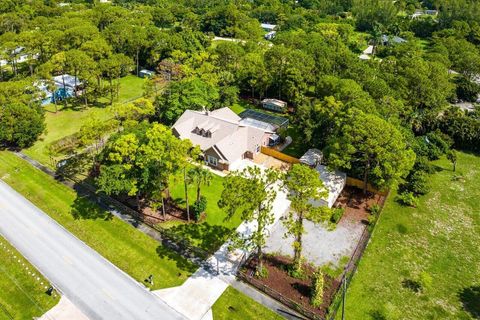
pixel 274 104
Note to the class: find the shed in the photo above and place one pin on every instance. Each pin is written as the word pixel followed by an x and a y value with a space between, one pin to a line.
pixel 270 35
pixel 144 73
pixel 274 104
pixel 312 158
pixel 268 26
pixel 334 182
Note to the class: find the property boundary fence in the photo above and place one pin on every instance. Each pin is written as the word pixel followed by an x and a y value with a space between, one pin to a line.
pixel 172 240
pixel 279 155
pixel 351 267
pixel 278 296
pixel 341 283
pixel 359 184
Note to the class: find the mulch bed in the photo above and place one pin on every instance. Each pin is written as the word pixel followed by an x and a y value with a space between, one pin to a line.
pixel 172 211
pixel 357 205
pixel 298 290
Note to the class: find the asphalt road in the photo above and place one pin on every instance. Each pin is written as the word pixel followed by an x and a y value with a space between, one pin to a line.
pixel 93 284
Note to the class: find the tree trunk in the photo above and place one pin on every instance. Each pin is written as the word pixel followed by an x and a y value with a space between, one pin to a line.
pixel 186 193
pixel 365 177
pixel 198 191
pixel 297 259
pixel 138 62
pixel 137 199
pixel 163 208
pixel 64 91
pixel 454 166
pixel 111 90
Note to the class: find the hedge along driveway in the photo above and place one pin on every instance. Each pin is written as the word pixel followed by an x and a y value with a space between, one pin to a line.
pixel 129 249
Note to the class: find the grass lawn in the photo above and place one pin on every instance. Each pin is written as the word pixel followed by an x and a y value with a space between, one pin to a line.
pixel 297 148
pixel 22 295
pixel 131 88
pixel 61 124
pixel 68 121
pixel 129 249
pixel 211 233
pixel 440 237
pixel 233 305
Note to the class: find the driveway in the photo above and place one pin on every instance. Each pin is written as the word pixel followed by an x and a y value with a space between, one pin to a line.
pixel 90 282
pixel 320 245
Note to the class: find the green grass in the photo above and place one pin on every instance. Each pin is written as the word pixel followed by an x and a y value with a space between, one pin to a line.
pixel 131 87
pixel 22 295
pixel 211 233
pixel 61 124
pixel 68 121
pixel 298 147
pixel 129 249
pixel 233 305
pixel 440 237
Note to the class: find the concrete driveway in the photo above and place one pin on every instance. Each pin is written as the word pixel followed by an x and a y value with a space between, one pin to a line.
pixel 90 282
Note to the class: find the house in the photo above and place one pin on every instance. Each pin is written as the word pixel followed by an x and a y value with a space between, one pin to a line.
pixel 66 86
pixel 267 27
pixel 144 73
pixel 223 136
pixel 274 104
pixel 391 40
pixel 270 35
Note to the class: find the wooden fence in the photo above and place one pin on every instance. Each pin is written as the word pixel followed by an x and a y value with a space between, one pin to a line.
pixel 359 184
pixel 279 155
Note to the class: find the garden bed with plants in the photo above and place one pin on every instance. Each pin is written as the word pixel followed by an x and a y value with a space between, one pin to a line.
pixel 297 291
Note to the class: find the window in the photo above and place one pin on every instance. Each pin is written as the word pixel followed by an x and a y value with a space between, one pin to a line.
pixel 212 160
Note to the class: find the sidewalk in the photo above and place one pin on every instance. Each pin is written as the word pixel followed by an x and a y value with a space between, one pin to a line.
pixel 196 296
pixel 64 310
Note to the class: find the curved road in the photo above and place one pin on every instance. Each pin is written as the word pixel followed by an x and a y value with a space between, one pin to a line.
pixel 98 288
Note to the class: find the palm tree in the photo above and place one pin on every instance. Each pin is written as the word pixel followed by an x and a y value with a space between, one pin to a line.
pixel 187 180
pixel 200 176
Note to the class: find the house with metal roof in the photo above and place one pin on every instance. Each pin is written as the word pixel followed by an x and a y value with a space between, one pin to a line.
pixel 222 135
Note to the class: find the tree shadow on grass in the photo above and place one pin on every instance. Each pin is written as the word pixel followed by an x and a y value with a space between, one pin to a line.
pixel 377 315
pixel 181 262
pixel 204 235
pixel 470 298
pixel 84 208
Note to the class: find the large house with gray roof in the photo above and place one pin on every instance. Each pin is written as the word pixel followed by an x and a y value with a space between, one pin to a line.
pixel 222 135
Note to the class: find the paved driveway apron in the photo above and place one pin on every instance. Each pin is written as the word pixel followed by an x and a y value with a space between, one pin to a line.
pixel 93 284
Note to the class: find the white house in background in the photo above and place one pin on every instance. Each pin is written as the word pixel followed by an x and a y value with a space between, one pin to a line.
pixel 222 135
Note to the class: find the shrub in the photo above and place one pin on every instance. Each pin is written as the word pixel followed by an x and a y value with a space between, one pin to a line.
pixel 407 199
pixel 417 183
pixel 317 289
pixel 337 214
pixel 199 207
pixel 375 209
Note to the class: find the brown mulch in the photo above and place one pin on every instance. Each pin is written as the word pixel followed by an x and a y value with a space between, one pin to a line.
pixel 357 205
pixel 298 290
pixel 172 211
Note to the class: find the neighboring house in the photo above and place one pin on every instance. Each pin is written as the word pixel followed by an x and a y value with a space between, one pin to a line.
pixel 222 135
pixel 267 27
pixel 274 104
pixel 312 158
pixel 144 73
pixel 66 86
pixel 392 40
pixel 421 13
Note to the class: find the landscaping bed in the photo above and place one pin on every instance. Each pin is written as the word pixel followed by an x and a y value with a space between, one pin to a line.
pixel 293 292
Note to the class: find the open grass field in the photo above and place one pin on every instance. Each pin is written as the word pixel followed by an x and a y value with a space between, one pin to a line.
pixel 212 232
pixel 129 249
pixel 439 239
pixel 68 121
pixel 61 124
pixel 233 305
pixel 22 295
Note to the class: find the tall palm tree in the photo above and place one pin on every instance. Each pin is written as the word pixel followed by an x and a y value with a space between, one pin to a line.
pixel 200 176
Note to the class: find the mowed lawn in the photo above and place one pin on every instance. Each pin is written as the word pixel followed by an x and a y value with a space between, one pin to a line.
pixel 61 124
pixel 129 249
pixel 233 305
pixel 67 121
pixel 212 232
pixel 22 287
pixel 441 238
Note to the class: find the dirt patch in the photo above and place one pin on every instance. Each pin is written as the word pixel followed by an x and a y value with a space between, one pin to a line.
pixel 357 205
pixel 291 291
pixel 172 211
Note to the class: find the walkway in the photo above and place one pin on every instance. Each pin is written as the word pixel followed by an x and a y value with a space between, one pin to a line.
pixel 95 286
pixel 197 295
